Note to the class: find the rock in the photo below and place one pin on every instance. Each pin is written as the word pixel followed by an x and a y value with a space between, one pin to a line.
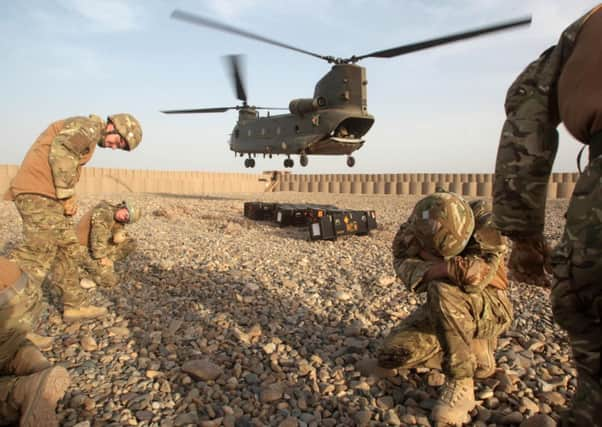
pixel 385 402
pixel 271 393
pixel 527 405
pixel 119 332
pixel 368 367
pixel 289 422
pixel 539 420
pixel 203 370
pixel 86 283
pixel 362 418
pixel 186 418
pixel 553 398
pixel 343 296
pixel 152 374
pixel 211 423
pixel 82 424
pixel 385 281
pixel 144 415
pixel 511 418
pixel 391 418
pixel 88 343
pixel 435 379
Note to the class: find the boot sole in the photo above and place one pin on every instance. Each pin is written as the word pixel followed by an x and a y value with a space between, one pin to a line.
pixel 71 319
pixel 40 410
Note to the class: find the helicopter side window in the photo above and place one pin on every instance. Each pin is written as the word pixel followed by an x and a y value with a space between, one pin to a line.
pixel 278 130
pixel 297 130
pixel 236 133
pixel 249 132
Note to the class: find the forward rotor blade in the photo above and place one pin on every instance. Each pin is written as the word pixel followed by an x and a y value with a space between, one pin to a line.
pixel 426 44
pixel 206 22
pixel 199 110
pixel 235 70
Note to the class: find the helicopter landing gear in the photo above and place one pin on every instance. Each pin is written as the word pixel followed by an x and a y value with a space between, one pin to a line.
pixel 249 163
pixel 288 163
pixel 303 160
pixel 350 161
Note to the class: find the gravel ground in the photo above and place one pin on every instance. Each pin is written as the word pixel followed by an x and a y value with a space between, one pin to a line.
pixel 221 320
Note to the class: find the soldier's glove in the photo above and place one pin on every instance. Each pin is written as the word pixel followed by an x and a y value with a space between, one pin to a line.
pixel 106 262
pixel 70 206
pixel 530 260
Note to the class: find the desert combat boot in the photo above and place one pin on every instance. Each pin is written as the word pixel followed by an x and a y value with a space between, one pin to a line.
pixel 73 314
pixel 28 360
pixel 32 400
pixel 483 349
pixel 455 402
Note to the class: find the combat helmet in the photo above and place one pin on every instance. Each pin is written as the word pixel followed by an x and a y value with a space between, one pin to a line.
pixel 128 127
pixel 134 211
pixel 443 223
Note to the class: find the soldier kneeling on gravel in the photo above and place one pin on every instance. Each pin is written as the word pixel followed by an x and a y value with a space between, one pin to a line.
pixel 450 250
pixel 29 386
pixel 102 233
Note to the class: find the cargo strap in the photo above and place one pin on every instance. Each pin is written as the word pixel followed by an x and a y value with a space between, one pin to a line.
pixel 595 149
pixel 16 288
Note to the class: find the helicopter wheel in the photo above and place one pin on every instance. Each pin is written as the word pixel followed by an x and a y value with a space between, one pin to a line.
pixel 288 163
pixel 251 163
pixel 303 160
pixel 350 161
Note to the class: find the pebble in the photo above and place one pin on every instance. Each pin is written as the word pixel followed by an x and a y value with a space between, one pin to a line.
pixel 307 314
pixel 539 420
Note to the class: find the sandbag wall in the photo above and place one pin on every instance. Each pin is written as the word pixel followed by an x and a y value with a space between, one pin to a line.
pixel 106 180
pixel 561 185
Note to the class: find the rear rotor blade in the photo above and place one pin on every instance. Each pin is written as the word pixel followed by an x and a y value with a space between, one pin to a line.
pixel 206 22
pixel 199 110
pixel 426 44
pixel 235 72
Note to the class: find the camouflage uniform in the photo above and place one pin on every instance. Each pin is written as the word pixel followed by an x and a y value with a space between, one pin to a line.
pixel 43 191
pixel 562 85
pixel 470 304
pixel 99 228
pixel 48 233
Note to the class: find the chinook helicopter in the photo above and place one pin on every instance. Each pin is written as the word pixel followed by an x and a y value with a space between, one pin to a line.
pixel 332 122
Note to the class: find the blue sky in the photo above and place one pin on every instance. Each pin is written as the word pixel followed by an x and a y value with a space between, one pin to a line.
pixel 439 110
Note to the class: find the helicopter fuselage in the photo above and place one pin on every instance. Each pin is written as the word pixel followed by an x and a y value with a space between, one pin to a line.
pixel 333 122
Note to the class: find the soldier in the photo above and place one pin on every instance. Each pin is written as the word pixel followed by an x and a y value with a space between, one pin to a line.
pixel 44 193
pixel 451 251
pixel 562 85
pixel 101 232
pixel 29 387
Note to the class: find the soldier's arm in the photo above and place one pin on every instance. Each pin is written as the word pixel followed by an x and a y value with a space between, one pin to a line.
pixel 408 265
pixel 100 232
pixel 73 142
pixel 474 272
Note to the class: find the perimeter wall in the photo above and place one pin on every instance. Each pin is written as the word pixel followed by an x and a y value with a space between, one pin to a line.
pixel 106 180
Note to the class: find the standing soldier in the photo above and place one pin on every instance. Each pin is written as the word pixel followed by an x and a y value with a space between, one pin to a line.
pixel 563 85
pixel 451 251
pixel 44 193
pixel 101 232
pixel 29 387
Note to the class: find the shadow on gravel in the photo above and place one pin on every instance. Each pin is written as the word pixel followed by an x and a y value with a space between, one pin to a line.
pixel 277 353
pixel 195 197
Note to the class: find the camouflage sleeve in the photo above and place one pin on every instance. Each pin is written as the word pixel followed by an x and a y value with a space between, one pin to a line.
pixel 473 272
pixel 407 265
pixel 529 142
pixel 73 142
pixel 101 235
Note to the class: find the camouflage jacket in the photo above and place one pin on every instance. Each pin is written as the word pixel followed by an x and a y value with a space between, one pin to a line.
pixel 480 264
pixel 102 228
pixel 529 140
pixel 52 165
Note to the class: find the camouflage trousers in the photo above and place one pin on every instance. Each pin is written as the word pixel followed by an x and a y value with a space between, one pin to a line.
pixel 577 292
pixel 19 310
pixel 49 243
pixel 440 333
pixel 105 275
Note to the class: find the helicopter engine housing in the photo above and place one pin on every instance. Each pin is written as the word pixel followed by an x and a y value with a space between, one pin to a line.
pixel 302 106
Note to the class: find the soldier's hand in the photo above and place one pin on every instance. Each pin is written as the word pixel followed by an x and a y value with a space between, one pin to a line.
pixel 530 260
pixel 70 206
pixel 105 262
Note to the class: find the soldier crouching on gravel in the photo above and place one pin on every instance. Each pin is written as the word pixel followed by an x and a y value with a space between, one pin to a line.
pixel 102 233
pixel 450 250
pixel 44 194
pixel 29 386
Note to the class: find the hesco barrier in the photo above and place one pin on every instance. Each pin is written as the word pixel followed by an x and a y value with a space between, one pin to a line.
pixel 105 180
